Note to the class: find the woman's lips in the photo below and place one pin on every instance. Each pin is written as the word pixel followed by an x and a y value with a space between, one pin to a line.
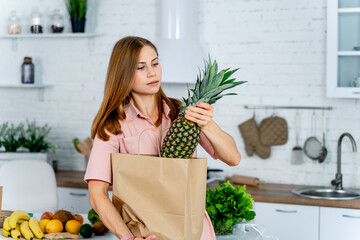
pixel 153 83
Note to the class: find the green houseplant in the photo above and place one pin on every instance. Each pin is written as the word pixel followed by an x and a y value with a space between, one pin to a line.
pixel 10 136
pixel 227 206
pixel 77 11
pixel 33 137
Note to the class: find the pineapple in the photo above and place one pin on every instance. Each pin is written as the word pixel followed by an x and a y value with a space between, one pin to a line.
pixel 183 136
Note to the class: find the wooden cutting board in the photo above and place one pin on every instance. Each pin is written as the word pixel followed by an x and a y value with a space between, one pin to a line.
pixel 62 235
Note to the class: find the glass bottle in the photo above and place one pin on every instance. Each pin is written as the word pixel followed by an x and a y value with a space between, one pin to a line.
pixel 27 71
pixel 14 24
pixel 36 26
pixel 57 21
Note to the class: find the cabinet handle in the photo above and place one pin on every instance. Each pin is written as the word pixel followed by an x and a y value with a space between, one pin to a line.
pixel 356 93
pixel 349 216
pixel 286 211
pixel 78 194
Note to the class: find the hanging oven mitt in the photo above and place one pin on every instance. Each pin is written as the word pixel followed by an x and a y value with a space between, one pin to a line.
pixel 273 131
pixel 250 134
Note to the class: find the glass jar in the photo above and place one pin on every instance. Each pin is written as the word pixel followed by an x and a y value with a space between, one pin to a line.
pixel 14 24
pixel 27 71
pixel 57 21
pixel 36 26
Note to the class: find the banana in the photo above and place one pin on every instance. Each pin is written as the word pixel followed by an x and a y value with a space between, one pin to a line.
pixel 35 228
pixel 15 233
pixel 6 226
pixel 5 233
pixel 16 216
pixel 25 230
pixel 21 221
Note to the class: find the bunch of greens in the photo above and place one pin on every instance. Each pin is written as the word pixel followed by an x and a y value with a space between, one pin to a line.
pixel 33 137
pixel 76 8
pixel 10 136
pixel 228 205
pixel 93 216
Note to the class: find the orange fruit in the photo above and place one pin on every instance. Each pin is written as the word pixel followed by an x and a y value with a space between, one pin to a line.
pixel 42 224
pixel 54 226
pixel 79 218
pixel 72 226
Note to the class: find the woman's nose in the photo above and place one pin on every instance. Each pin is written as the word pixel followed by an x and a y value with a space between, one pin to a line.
pixel 151 72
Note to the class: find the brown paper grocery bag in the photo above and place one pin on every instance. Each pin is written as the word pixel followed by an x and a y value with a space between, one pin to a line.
pixel 161 196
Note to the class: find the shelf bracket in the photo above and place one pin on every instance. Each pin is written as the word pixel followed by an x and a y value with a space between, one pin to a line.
pixel 91 44
pixel 14 44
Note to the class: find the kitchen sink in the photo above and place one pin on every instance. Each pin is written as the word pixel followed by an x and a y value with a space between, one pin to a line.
pixel 326 193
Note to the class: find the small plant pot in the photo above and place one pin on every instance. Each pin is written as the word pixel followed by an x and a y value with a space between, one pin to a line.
pixel 78 24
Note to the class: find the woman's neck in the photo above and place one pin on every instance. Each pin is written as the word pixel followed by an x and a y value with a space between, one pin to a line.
pixel 147 105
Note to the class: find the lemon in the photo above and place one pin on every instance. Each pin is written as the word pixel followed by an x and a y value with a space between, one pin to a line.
pixel 43 223
pixel 54 226
pixel 72 226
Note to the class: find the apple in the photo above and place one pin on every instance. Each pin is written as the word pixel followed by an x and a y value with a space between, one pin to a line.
pixel 47 215
pixel 78 218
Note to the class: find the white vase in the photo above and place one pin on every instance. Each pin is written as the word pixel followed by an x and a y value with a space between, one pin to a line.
pixel 8 156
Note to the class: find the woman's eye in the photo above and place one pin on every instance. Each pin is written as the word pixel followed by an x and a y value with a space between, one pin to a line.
pixel 155 64
pixel 140 68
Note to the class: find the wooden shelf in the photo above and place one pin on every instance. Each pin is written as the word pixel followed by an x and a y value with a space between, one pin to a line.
pixel 349 10
pixel 51 35
pixel 349 53
pixel 39 87
pixel 15 37
pixel 36 86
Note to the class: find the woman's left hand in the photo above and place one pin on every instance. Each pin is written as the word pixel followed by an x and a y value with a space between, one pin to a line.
pixel 201 114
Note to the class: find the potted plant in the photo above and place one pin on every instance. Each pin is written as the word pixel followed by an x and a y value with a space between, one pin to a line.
pixel 10 136
pixel 228 206
pixel 33 137
pixel 77 11
pixel 24 141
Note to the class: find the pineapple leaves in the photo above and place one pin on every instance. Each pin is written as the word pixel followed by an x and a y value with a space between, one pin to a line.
pixel 210 84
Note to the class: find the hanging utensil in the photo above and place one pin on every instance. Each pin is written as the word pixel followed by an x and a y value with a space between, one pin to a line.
pixel 297 151
pixel 312 146
pixel 323 148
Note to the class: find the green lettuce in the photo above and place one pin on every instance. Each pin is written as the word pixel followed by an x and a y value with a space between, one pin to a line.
pixel 228 205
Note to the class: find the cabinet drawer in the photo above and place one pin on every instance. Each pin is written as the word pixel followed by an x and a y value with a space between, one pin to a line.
pixel 339 223
pixel 288 221
pixel 75 200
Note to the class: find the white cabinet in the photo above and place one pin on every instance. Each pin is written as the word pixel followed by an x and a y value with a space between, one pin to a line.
pixel 75 200
pixel 343 49
pixel 288 221
pixel 339 223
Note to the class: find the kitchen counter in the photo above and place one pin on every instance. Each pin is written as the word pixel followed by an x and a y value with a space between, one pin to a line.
pixel 73 179
pixel 281 193
pixel 272 193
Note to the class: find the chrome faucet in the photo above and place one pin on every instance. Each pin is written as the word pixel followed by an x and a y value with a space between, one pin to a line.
pixel 337 182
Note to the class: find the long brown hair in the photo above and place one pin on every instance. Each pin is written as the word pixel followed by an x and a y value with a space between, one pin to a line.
pixel 119 81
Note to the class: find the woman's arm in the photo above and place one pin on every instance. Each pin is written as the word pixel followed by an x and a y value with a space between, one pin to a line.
pixel 223 144
pixel 100 202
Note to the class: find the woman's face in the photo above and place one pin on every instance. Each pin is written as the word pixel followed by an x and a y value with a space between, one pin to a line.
pixel 148 73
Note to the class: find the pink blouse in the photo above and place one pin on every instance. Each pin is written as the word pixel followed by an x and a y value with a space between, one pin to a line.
pixel 99 165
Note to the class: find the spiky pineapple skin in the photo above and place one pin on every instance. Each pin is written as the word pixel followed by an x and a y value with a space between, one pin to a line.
pixel 181 139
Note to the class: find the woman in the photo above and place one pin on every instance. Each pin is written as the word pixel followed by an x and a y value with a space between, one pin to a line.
pixel 134 101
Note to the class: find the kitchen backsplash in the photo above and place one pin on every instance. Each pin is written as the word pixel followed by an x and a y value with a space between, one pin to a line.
pixel 279 46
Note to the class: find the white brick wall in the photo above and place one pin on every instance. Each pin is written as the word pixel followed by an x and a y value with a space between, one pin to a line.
pixel 279 46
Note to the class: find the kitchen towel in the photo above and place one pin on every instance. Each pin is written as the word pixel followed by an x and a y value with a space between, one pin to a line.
pixel 161 196
pixel 273 131
pixel 250 134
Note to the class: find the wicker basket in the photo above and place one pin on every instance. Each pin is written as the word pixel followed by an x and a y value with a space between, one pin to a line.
pixel 4 214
